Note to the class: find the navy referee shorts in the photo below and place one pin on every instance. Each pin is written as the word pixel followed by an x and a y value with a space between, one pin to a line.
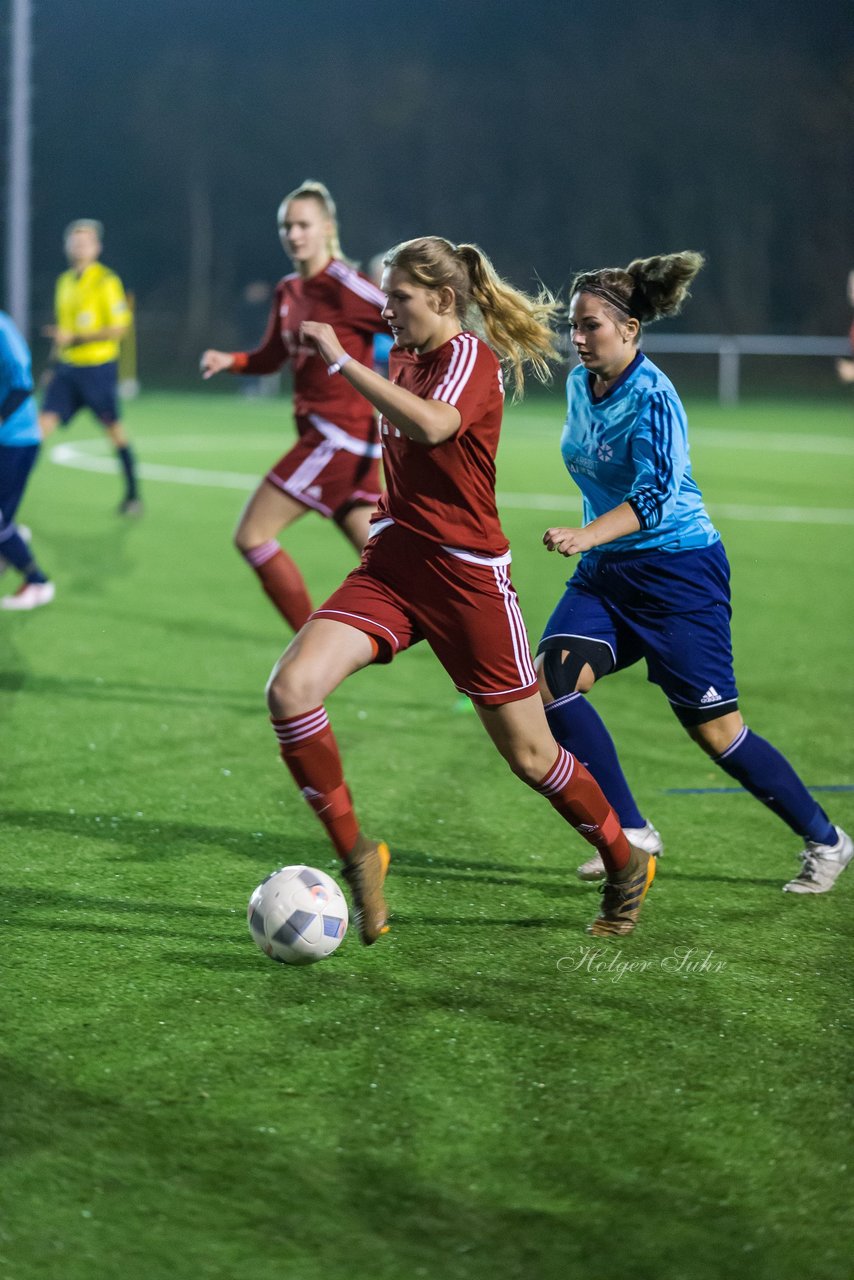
pixel 91 386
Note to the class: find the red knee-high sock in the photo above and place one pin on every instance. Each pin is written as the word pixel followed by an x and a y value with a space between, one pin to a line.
pixel 578 798
pixel 310 751
pixel 282 581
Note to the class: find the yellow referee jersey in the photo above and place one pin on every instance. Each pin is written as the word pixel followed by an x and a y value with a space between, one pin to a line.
pixel 85 303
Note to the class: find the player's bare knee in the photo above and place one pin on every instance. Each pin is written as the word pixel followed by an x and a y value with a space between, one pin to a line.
pixel 296 684
pixel 528 763
pixel 250 535
pixel 290 688
pixel 282 693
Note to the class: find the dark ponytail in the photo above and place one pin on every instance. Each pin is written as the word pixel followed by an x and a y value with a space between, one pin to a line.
pixel 647 288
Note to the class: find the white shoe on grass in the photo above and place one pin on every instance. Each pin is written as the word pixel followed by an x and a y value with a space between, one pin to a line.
pixel 645 838
pixel 30 595
pixel 822 865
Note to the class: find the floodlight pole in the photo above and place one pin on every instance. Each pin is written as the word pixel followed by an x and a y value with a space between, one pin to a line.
pixel 18 181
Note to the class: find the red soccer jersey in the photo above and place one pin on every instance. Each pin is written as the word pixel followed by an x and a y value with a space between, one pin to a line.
pixel 446 492
pixel 338 295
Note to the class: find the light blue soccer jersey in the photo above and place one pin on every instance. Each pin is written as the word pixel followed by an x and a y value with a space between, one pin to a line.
pixel 18 418
pixel 632 446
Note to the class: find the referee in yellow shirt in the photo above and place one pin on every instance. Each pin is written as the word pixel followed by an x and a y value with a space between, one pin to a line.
pixel 92 316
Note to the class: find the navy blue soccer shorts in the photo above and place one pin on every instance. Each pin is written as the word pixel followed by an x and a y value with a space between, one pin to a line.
pixel 93 386
pixel 670 608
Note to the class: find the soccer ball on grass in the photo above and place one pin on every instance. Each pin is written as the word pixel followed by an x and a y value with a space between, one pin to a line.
pixel 298 915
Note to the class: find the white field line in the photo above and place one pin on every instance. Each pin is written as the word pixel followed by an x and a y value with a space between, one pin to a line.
pixel 91 455
pixel 719 438
pixel 712 437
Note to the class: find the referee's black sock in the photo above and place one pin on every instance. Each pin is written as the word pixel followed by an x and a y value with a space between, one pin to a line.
pixel 126 458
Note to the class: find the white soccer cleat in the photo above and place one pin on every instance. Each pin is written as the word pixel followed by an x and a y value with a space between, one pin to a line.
pixel 30 595
pixel 645 838
pixel 592 869
pixel 823 864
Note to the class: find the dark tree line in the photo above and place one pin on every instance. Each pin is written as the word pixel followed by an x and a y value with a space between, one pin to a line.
pixel 557 135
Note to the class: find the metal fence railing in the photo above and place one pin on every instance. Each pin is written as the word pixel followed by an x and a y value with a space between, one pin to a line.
pixel 729 349
pixel 162 339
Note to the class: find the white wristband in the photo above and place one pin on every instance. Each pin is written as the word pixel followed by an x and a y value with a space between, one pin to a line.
pixel 338 365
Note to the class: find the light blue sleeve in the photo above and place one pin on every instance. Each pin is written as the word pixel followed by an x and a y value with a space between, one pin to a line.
pixel 660 455
pixel 14 359
pixel 8 364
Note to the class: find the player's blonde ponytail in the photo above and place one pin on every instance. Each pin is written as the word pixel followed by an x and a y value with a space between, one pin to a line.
pixel 514 324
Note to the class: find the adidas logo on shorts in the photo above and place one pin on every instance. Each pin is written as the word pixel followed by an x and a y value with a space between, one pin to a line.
pixel 711 695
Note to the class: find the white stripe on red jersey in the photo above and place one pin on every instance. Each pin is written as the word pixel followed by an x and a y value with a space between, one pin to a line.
pixel 360 617
pixel 446 492
pixel 460 369
pixel 519 636
pixel 351 278
pixel 473 558
pixel 377 526
pixel 338 296
pixel 310 469
pixel 342 440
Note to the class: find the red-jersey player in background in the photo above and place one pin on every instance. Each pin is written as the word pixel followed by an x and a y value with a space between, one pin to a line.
pixel 436 565
pixel 334 466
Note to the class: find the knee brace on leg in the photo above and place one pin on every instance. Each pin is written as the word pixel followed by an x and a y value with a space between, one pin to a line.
pixel 562 673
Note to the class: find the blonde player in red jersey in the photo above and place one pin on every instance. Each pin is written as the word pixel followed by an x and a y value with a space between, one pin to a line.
pixel 334 466
pixel 436 565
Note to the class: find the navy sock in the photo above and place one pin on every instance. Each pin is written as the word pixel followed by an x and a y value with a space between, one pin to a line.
pixel 15 550
pixel 579 728
pixel 766 774
pixel 126 458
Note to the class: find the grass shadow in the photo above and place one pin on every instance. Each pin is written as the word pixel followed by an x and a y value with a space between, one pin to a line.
pixel 98 690
pixel 156 839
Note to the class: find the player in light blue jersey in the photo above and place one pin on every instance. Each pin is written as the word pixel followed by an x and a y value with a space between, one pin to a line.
pixel 653 580
pixel 19 447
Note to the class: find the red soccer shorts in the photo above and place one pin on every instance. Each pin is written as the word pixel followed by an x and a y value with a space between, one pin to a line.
pixel 329 470
pixel 408 588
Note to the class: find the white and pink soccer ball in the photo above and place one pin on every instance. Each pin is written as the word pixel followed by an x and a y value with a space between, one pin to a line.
pixel 298 915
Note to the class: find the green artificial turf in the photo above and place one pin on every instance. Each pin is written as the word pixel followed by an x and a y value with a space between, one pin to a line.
pixel 487 1092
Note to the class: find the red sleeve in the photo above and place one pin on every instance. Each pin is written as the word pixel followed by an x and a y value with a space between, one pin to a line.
pixel 360 299
pixel 471 379
pixel 271 354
